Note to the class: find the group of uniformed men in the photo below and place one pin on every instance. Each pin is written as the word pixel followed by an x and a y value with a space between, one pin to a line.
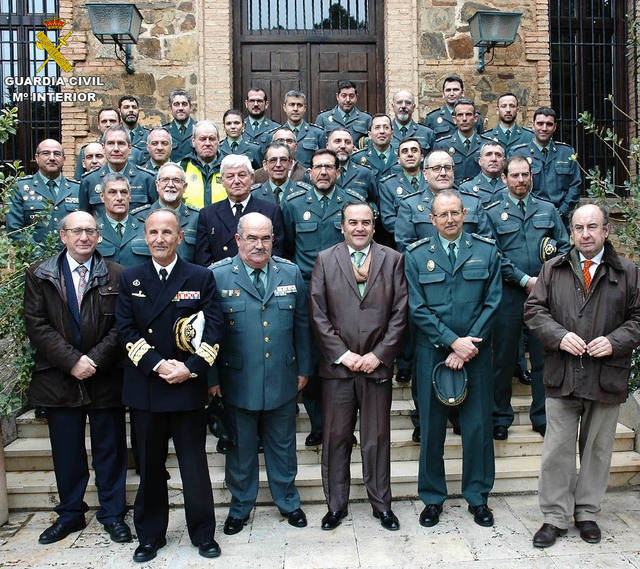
pixel 476 214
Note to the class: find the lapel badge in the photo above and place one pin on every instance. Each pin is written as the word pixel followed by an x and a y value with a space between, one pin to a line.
pixel 306 215
pixel 338 199
pixel 475 189
pixel 439 120
pixel 452 150
pixel 26 187
pixel 432 248
pixel 467 243
pixel 529 159
pixel 431 265
pixel 136 283
pixel 330 119
pixel 363 160
pixel 420 207
pixel 399 190
pixel 98 188
pixel 235 268
pixel 504 216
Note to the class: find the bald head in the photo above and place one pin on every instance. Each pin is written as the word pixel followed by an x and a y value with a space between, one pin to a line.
pixel 255 239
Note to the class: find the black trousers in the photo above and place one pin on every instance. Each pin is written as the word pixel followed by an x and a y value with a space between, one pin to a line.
pixel 151 507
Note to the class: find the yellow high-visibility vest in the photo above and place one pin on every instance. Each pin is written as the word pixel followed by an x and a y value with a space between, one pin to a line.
pixel 199 193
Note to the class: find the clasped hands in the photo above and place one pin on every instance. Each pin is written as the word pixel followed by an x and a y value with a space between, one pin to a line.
pixel 173 371
pixel 598 347
pixel 358 363
pixel 464 350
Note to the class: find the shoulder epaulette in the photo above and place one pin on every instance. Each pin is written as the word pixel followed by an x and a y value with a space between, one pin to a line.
pixel 140 208
pixel 442 139
pixel 72 180
pixel 256 186
pixel 418 243
pixel 305 185
pixel 388 177
pixel 525 145
pixel 221 262
pixel 314 124
pixel 28 177
pixel 434 111
pixel 542 199
pixel 295 194
pixel 483 238
pixel 493 204
pixel 282 260
pixel 85 174
pixel 559 143
pixel 412 194
pixel 145 170
pixel 354 194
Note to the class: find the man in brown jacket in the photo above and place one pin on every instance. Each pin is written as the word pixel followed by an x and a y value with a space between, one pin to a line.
pixel 359 313
pixel 585 309
pixel 69 305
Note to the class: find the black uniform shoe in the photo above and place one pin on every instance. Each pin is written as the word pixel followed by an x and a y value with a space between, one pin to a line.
pixel 454 419
pixel 430 516
pixel 313 439
pixel 224 446
pixel 59 530
pixel 403 376
pixel 209 549
pixel 482 515
pixel 331 520
pixel 589 531
pixel 40 413
pixel 233 525
pixel 118 531
pixel 546 535
pixel 415 436
pixel 500 433
pixel 542 429
pixel 296 518
pixel 523 375
pixel 388 520
pixel 148 551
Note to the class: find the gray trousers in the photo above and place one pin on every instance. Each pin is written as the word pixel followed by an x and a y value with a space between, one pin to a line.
pixel 562 491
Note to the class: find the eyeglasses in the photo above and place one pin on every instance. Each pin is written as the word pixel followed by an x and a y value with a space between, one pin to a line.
pixel 439 168
pixel 327 167
pixel 54 153
pixel 77 231
pixel 272 161
pixel 445 214
pixel 285 140
pixel 254 240
pixel 175 181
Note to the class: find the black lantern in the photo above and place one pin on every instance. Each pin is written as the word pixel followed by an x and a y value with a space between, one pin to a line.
pixel 490 29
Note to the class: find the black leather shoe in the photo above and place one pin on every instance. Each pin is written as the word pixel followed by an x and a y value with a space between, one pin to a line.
pixel 224 446
pixel 454 419
pixel 60 530
pixel 148 551
pixel 354 441
pixel 331 520
pixel 482 515
pixel 296 518
pixel 260 444
pixel 500 433
pixel 542 429
pixel 523 375
pixel 209 549
pixel 403 376
pixel 118 531
pixel 313 439
pixel 546 535
pixel 589 531
pixel 416 436
pixel 388 520
pixel 233 525
pixel 430 516
pixel 40 413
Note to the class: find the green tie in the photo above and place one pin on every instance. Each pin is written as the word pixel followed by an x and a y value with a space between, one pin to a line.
pixel 324 200
pixel 255 124
pixel 296 130
pixel 494 181
pixel 521 206
pixel 182 129
pixel 119 231
pixel 467 144
pixel 234 146
pixel 52 186
pixel 358 256
pixel 414 182
pixel 382 157
pixel 257 282
pixel 403 131
pixel 452 254
pixel 507 133
pixel 346 117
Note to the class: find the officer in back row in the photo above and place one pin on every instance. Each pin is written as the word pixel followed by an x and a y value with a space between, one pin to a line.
pixel 528 231
pixel 465 143
pixel 234 143
pixel 440 121
pixel 159 144
pixel 181 127
pixel 507 132
pixel 489 181
pixel 378 155
pixel 129 109
pixel 106 117
pixel 258 128
pixel 310 137
pixel 29 201
pixel 117 147
pixel 403 105
pixel 556 174
pixel 345 115
pixel 277 160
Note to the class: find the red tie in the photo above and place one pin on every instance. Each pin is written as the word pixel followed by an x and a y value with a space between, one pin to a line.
pixel 587 274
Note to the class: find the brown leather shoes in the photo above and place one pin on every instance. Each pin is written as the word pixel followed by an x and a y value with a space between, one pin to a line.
pixel 546 535
pixel 589 531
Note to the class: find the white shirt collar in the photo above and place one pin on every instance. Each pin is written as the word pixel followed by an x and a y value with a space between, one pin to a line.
pixel 169 267
pixel 597 259
pixel 365 250
pixel 73 264
pixel 244 203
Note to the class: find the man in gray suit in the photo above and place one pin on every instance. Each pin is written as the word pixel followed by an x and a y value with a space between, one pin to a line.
pixel 264 361
pixel 359 313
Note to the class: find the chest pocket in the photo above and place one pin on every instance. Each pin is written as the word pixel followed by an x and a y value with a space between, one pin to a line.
pixel 106 249
pixel 474 281
pixel 542 222
pixel 138 195
pixel 108 297
pixel 190 236
pixel 562 169
pixel 458 158
pixel 94 196
pixel 536 167
pixel 360 127
pixel 507 228
pixel 434 287
pixel 286 307
pixel 309 143
pixel 234 315
pixel 32 208
pixel 441 128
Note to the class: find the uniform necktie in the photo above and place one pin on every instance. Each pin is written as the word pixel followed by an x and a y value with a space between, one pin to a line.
pixel 507 133
pixel 119 227
pixel 234 146
pixel 238 207
pixel 163 275
pixel 82 284
pixel 357 257
pixel 414 182
pixel 182 129
pixel 382 157
pixel 493 182
pixel 296 130
pixel 52 186
pixel 343 170
pixel 521 206
pixel 545 152
pixel 346 117
pixel 257 282
pixel 403 131
pixel 277 193
pixel 323 202
pixel 255 124
pixel 587 274
pixel 452 254
pixel 467 144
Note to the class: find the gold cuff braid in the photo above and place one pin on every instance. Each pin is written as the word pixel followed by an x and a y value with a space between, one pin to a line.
pixel 138 350
pixel 208 353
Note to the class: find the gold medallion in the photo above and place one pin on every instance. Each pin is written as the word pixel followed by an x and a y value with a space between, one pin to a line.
pixel 431 265
pixel 306 215
pixel 504 216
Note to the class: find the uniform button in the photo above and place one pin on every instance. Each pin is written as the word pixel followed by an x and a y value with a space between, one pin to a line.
pixel 150 331
pixel 225 248
pixel 265 324
pixel 231 309
pixel 264 308
pixel 290 306
pixel 56 207
pixel 267 355
pixel 267 339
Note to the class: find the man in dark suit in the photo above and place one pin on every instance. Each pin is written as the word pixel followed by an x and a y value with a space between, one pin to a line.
pixel 359 314
pixel 264 361
pixel 218 222
pixel 166 386
pixel 69 303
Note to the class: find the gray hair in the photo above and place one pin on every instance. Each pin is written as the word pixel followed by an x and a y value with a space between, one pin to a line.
pixel 160 129
pixel 173 212
pixel 182 92
pixel 114 177
pixel 603 210
pixel 295 93
pixel 116 128
pixel 204 123
pixel 426 158
pixel 236 161
pixel 62 224
pixel 175 165
pixel 247 217
pixel 276 146
pixel 444 194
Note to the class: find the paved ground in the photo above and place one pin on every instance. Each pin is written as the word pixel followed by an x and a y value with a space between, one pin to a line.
pixel 269 542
